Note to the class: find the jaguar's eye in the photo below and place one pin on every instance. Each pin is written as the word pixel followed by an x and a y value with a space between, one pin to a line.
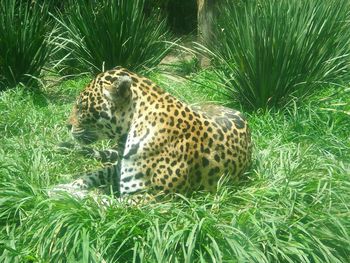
pixel 87 121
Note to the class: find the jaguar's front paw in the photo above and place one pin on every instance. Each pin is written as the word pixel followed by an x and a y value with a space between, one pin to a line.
pixel 73 189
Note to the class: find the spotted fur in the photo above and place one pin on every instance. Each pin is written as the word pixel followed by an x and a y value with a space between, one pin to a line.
pixel 164 145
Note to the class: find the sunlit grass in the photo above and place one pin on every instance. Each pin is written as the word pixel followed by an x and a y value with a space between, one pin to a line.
pixel 293 206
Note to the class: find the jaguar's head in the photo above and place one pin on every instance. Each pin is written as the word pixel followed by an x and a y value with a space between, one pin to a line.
pixel 102 109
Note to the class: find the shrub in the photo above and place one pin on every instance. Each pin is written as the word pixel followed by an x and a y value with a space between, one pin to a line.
pixel 103 34
pixel 270 51
pixel 24 46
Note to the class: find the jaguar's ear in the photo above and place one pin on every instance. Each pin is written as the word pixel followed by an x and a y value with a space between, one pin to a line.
pixel 119 88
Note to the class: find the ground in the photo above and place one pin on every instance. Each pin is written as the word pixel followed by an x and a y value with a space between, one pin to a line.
pixel 293 207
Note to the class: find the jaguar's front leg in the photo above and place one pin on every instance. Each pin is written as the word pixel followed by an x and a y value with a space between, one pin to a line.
pixel 106 178
pixel 109 156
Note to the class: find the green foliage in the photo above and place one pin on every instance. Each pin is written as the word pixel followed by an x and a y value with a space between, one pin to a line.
pixel 294 206
pixel 24 44
pixel 99 35
pixel 270 52
pixel 200 87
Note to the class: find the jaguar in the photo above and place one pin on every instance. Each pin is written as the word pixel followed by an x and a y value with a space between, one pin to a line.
pixel 162 145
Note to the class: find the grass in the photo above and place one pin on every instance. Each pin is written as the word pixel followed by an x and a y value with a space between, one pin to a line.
pixel 269 52
pixel 293 206
pixel 100 35
pixel 25 45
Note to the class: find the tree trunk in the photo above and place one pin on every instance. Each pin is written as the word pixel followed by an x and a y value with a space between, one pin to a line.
pixel 205 24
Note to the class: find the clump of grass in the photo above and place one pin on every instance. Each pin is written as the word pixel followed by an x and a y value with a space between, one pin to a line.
pixel 196 88
pixel 100 35
pixel 183 67
pixel 24 43
pixel 270 52
pixel 294 206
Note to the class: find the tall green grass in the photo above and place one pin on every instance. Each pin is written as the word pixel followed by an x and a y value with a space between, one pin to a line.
pixel 99 35
pixel 271 52
pixel 294 206
pixel 24 44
